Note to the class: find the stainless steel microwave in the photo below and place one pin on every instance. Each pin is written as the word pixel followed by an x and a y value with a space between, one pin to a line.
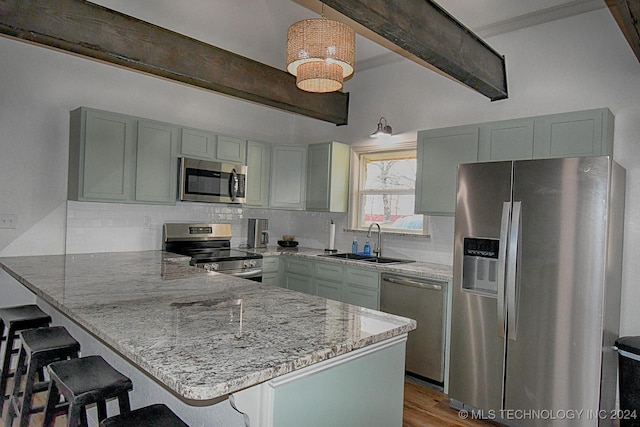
pixel 213 182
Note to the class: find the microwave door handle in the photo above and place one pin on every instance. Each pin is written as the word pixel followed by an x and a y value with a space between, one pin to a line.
pixel 233 185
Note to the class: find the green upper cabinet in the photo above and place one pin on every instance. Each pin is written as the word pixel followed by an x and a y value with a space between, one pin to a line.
pixel 198 144
pixel 231 150
pixel 156 165
pixel 506 140
pixel 101 156
pixel 328 177
pixel 288 177
pixel 581 133
pixel 206 145
pixel 439 152
pixel 258 174
pixel 574 134
pixel 118 158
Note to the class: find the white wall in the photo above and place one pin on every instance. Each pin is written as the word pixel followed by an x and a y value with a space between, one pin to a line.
pixel 576 63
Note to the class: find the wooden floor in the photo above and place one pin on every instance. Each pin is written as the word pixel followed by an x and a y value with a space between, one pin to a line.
pixel 423 407
pixel 426 407
pixel 37 418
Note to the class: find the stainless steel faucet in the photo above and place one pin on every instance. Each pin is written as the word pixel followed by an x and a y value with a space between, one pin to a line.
pixel 378 249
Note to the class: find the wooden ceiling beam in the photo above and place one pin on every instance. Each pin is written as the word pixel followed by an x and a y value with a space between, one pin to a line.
pixel 627 15
pixel 425 30
pixel 97 32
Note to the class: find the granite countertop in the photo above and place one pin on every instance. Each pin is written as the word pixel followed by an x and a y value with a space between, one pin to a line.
pixel 203 335
pixel 419 269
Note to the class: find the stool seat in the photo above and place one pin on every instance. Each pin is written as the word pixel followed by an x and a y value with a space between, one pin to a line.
pixel 84 381
pixel 12 320
pixel 40 347
pixel 48 340
pixel 24 315
pixel 157 415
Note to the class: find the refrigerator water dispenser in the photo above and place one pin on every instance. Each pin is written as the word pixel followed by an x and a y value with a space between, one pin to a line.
pixel 480 266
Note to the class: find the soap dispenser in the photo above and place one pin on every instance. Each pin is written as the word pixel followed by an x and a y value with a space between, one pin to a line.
pixel 367 248
pixel 354 246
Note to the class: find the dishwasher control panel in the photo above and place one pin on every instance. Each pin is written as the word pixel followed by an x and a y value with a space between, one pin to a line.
pixel 480 266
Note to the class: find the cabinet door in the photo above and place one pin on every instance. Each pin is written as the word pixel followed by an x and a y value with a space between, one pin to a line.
pixel 506 140
pixel 362 297
pixel 198 144
pixel 288 177
pixel 108 150
pixel 438 155
pixel 156 163
pixel 318 177
pixel 229 149
pixel 328 289
pixel 299 283
pixel 362 287
pixel 258 168
pixel 581 133
pixel 328 177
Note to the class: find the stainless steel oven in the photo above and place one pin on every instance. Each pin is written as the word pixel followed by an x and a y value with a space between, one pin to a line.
pixel 209 247
pixel 213 182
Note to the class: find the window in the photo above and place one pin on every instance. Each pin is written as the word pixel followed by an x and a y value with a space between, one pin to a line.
pixel 386 191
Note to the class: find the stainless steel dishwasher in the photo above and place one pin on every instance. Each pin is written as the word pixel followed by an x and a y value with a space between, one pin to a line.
pixel 423 300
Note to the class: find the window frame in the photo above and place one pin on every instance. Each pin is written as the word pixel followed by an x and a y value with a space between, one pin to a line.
pixel 356 195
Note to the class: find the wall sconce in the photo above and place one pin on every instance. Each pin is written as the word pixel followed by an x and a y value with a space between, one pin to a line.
pixel 383 129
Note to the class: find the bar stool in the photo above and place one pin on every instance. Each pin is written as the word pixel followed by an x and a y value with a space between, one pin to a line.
pixel 81 382
pixel 40 347
pixel 157 415
pixel 12 320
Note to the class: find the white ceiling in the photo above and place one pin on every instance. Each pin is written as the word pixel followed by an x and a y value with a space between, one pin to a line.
pixel 257 29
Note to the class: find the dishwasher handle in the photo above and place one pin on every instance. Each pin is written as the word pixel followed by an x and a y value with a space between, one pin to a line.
pixel 406 281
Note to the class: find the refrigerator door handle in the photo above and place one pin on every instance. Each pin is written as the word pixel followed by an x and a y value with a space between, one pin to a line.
pixel 512 271
pixel 502 259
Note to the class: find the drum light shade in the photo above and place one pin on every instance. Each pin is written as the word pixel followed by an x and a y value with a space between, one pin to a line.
pixel 320 53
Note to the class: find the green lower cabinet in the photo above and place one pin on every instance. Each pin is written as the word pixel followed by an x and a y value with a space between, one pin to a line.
pixel 332 280
pixel 363 392
pixel 328 289
pixel 362 297
pixel 297 282
pixel 271 271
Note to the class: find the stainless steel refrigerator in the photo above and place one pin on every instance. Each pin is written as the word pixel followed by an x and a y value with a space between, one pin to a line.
pixel 536 295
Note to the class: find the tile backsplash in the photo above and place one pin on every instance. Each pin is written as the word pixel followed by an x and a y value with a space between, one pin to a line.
pixel 114 227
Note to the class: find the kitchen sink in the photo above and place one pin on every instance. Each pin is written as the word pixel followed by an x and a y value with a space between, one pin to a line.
pixel 367 258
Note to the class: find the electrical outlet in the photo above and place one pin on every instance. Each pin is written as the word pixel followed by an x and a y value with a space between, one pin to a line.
pixel 146 222
pixel 8 220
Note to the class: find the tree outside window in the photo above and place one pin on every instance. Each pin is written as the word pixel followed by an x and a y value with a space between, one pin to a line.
pixel 387 191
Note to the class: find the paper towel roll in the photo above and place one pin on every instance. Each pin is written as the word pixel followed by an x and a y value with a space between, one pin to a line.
pixel 332 236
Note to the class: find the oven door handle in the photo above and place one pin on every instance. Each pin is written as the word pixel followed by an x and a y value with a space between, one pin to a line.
pixel 246 273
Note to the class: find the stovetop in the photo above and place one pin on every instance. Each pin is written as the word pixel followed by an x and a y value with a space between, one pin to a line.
pixel 207 244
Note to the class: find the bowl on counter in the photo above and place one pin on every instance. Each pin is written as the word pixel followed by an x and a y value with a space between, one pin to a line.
pixel 287 243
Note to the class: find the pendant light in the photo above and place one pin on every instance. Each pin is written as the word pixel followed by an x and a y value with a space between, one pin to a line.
pixel 320 53
pixel 383 129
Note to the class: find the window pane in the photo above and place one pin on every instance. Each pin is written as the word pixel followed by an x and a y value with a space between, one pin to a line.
pixel 391 211
pixel 395 174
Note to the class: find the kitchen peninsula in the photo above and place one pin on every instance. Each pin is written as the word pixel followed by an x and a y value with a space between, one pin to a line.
pixel 206 343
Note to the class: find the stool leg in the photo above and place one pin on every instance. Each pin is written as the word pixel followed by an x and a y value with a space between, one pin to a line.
pixel 6 363
pixel 77 417
pixel 27 397
pixel 53 397
pixel 14 398
pixel 123 403
pixel 102 409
